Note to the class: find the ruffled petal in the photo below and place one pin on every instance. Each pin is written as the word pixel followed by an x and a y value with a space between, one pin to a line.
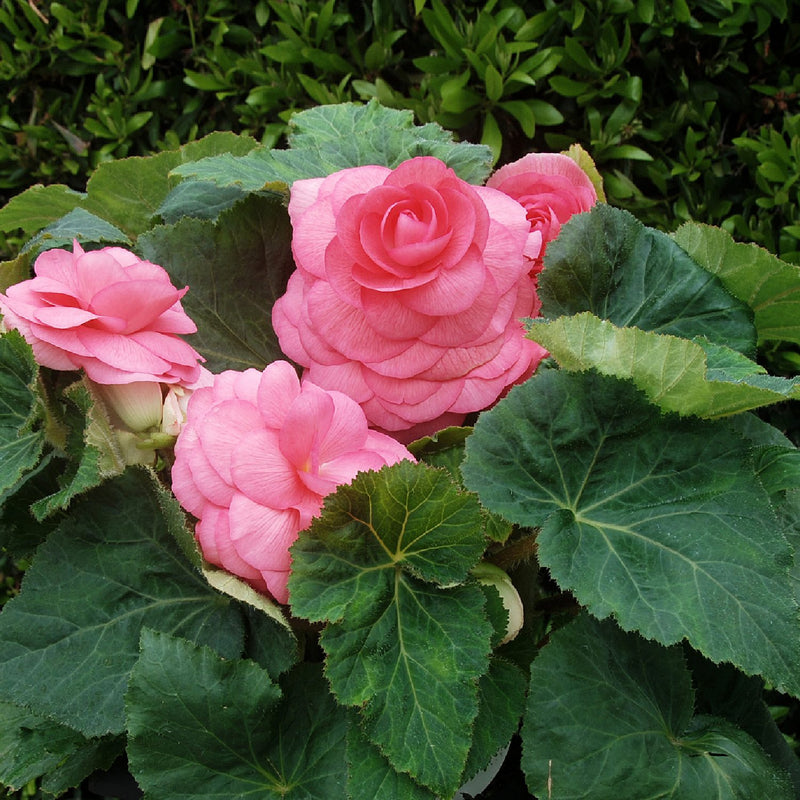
pixel 261 535
pixel 263 473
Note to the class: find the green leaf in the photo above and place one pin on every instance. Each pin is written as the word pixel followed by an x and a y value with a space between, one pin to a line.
pixel 14 271
pixel 445 449
pixel 198 199
pixel 643 740
pixel 493 82
pixel 723 691
pixel 77 224
pixel 377 567
pixel 523 112
pixel 37 207
pixel 21 440
pixel 205 727
pixel 688 377
pixel 370 775
pixel 770 287
pixel 33 747
pixel 236 268
pixel 128 192
pixel 325 139
pixel 69 639
pixel 586 163
pixel 94 452
pixel 269 640
pixel 491 135
pixel 657 520
pixel 606 262
pixel 546 113
pixel 501 694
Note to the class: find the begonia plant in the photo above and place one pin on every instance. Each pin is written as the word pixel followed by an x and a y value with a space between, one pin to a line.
pixel 353 469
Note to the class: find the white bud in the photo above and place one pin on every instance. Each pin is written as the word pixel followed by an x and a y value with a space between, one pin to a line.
pixel 490 575
pixel 138 404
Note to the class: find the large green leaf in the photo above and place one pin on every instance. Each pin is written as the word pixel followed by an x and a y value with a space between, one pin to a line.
pixel 129 192
pixel 21 439
pixel 126 193
pixel 770 287
pixel 205 727
pixel 370 775
pixel 386 567
pixel 677 374
pixel 723 691
pixel 68 641
pixel 235 269
pixel 610 716
pixel 34 747
pixel 37 207
pixel 77 224
pixel 605 261
pixel 326 139
pixel 501 693
pixel 657 520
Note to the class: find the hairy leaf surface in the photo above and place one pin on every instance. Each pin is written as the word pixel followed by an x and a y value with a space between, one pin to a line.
pixel 326 139
pixel 656 520
pixel 68 641
pixel 387 567
pixel 205 727
pixel 677 374
pixel 21 440
pixel 605 261
pixel 236 269
pixel 611 715
pixel 770 287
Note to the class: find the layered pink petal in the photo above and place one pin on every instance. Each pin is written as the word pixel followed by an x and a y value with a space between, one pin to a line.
pixel 424 279
pixel 255 472
pixel 106 311
pixel 277 389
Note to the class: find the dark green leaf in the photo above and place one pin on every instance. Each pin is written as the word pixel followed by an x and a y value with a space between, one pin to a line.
pixel 723 691
pixel 657 520
pixel 204 727
pixel 68 641
pixel 235 270
pixel 94 452
pixel 501 697
pixel 606 262
pixel 370 775
pixel 642 740
pixel 32 747
pixel 445 449
pixel 391 636
pixel 21 441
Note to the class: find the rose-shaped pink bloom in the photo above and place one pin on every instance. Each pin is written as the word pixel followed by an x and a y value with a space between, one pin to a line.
pixel 551 187
pixel 408 293
pixel 105 311
pixel 257 455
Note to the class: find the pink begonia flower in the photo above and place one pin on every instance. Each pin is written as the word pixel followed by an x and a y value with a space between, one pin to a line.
pixel 107 312
pixel 551 187
pixel 408 293
pixel 257 455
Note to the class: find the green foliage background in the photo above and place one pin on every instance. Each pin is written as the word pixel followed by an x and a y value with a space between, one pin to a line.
pixel 685 107
pixel 690 111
